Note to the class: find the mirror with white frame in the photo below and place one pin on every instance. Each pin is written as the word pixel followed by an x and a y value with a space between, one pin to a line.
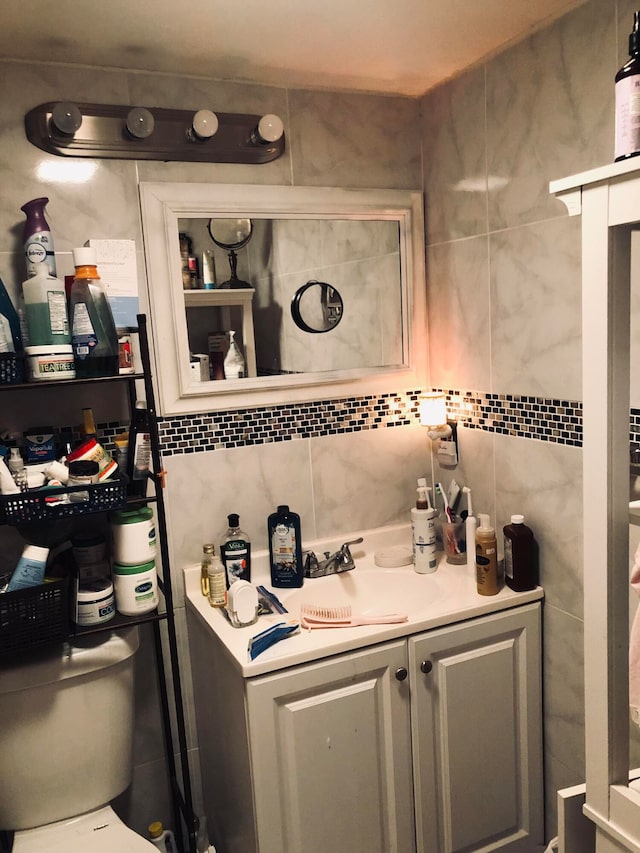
pixel 367 245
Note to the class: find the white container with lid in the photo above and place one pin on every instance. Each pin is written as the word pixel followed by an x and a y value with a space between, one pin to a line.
pixel 136 588
pixel 242 603
pixel 50 362
pixel 94 602
pixel 133 536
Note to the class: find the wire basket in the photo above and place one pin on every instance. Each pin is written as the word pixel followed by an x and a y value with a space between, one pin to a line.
pixel 44 504
pixel 11 368
pixel 34 616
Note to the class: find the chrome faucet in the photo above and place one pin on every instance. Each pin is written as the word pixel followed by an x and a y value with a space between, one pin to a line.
pixel 340 561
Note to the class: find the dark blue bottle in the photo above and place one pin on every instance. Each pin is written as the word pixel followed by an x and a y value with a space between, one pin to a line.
pixel 285 548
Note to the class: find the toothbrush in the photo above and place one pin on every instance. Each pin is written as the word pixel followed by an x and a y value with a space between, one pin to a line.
pixel 470 530
pixel 447 508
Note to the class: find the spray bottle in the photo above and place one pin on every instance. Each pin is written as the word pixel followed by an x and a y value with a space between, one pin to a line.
pixel 423 526
pixel 470 530
pixel 38 242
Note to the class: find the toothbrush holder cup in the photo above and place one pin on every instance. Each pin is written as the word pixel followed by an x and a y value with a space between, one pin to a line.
pixel 454 542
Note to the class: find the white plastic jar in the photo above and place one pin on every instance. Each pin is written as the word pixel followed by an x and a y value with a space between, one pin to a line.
pixel 95 602
pixel 133 536
pixel 50 362
pixel 136 588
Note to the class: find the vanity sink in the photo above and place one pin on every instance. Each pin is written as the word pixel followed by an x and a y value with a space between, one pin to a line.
pixel 369 591
pixel 442 598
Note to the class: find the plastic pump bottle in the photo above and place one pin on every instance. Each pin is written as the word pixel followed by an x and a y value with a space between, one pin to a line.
pixel 627 142
pixel 423 527
pixel 487 581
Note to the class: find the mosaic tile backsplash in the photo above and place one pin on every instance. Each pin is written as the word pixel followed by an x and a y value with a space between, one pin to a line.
pixel 558 421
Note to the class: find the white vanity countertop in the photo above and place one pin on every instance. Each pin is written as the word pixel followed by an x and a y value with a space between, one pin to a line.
pixel 441 598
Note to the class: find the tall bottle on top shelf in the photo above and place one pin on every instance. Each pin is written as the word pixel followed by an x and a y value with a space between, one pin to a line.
pixel 93 332
pixel 139 450
pixel 627 113
pixel 37 238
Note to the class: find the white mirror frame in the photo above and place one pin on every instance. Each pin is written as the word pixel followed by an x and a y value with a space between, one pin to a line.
pixel 164 204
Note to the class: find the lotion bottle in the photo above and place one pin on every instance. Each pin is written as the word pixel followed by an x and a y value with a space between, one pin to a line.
pixel 487 581
pixel 423 528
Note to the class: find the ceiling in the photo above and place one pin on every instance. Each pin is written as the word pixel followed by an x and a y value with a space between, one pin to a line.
pixel 389 46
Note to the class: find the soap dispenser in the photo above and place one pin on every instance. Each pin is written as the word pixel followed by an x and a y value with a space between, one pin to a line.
pixel 487 581
pixel 423 528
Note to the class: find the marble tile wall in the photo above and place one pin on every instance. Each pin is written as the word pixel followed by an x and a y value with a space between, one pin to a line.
pixel 503 286
pixel 503 267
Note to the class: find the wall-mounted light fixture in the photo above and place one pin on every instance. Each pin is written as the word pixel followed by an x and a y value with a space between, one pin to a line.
pixel 141 133
pixel 440 428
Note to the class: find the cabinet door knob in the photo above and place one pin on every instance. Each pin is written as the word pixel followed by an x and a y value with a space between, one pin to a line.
pixel 401 673
pixel 426 666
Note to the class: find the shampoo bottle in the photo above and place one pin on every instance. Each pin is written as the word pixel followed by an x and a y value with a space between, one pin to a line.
pixel 235 552
pixel 285 548
pixel 627 115
pixel 487 581
pixel 520 561
pixel 423 528
pixel 38 242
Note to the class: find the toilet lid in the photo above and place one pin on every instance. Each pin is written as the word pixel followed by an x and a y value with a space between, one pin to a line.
pixel 101 831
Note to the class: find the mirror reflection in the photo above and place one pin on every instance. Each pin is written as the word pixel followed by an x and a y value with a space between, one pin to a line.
pixel 355 264
pixel 316 307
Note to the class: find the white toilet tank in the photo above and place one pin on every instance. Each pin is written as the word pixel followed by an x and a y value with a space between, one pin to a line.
pixel 66 724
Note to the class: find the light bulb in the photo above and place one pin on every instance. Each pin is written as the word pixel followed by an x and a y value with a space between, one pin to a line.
pixel 140 122
pixel 66 118
pixel 204 124
pixel 269 130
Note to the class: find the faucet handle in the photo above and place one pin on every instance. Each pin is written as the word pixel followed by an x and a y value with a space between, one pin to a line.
pixel 344 550
pixel 311 567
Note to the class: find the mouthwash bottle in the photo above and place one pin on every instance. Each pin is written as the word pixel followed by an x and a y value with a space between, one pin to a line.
pixel 235 551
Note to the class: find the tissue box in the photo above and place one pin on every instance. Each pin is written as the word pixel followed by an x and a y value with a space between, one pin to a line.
pixel 118 270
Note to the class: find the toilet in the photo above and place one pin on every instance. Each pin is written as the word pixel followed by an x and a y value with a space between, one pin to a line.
pixel 66 727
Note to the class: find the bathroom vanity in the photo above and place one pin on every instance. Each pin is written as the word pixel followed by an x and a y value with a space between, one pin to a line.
pixel 416 736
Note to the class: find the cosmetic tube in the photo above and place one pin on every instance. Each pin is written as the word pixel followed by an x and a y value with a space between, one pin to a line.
pixel 30 568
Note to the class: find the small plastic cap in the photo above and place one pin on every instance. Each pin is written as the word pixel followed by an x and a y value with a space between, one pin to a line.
pixel 233 519
pixel 283 508
pixel 156 829
pixel 485 521
pixel 517 519
pixel 85 256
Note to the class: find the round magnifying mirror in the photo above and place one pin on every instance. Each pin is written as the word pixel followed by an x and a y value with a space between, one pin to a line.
pixel 231 234
pixel 316 307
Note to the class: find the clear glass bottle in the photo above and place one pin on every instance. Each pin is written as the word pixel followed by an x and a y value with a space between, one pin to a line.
pixel 233 361
pixel 217 577
pixel 93 332
pixel 235 551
